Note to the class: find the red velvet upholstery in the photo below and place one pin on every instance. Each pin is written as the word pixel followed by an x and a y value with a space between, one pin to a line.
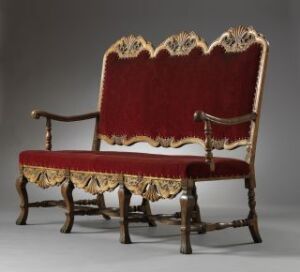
pixel 158 96
pixel 134 163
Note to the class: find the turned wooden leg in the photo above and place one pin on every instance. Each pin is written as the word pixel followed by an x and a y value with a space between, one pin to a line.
pixel 66 191
pixel 21 189
pixel 124 201
pixel 101 205
pixel 253 224
pixel 147 211
pixel 187 203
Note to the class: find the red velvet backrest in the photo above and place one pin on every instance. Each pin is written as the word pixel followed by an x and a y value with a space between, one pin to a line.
pixel 151 94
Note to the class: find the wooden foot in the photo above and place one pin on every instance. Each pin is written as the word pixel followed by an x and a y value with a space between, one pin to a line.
pixel 253 227
pixel 253 224
pixel 21 189
pixel 147 211
pixel 124 201
pixel 101 205
pixel 66 191
pixel 187 203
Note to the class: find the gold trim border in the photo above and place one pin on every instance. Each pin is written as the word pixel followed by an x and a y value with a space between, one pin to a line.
pixel 234 40
pixel 171 142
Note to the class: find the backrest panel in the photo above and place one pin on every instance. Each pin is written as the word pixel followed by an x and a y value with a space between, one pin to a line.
pixel 151 95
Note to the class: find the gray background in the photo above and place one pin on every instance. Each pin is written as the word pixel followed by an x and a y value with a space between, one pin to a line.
pixel 51 53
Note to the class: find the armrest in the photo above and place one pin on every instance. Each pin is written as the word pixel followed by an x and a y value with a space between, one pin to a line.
pixel 208 119
pixel 202 116
pixel 36 114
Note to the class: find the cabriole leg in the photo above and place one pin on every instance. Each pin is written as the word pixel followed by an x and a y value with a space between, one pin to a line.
pixel 101 205
pixel 147 212
pixel 66 191
pixel 253 224
pixel 187 203
pixel 124 201
pixel 21 189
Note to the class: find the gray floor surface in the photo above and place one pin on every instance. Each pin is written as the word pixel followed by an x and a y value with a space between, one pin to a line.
pixel 93 245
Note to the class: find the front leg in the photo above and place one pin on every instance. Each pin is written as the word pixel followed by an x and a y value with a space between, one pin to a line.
pixel 66 191
pixel 187 203
pixel 21 189
pixel 124 201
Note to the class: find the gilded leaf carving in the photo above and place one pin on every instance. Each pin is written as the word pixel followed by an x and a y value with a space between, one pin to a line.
pixel 238 39
pixel 44 177
pixel 181 44
pixel 130 46
pixel 151 193
pixel 152 188
pixel 165 142
pixel 94 183
pixel 167 188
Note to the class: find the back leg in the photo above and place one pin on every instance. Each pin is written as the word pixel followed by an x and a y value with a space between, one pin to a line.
pixel 252 217
pixel 101 205
pixel 196 215
pixel 21 189
pixel 147 211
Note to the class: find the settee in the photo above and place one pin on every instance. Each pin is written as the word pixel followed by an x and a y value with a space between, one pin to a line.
pixel 181 92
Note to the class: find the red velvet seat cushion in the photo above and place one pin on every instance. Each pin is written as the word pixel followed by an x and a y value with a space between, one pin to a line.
pixel 168 166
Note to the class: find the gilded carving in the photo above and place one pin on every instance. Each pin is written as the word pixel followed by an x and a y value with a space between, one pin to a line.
pixel 167 188
pixel 172 142
pixel 151 193
pixel 165 142
pixel 130 47
pixel 238 39
pixel 119 140
pixel 44 177
pixel 151 188
pixel 94 183
pixel 181 44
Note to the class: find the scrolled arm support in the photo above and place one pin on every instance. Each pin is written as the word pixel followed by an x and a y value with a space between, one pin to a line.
pixel 200 116
pixel 37 114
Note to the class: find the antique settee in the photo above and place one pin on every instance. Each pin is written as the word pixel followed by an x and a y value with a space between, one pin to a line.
pixel 179 93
